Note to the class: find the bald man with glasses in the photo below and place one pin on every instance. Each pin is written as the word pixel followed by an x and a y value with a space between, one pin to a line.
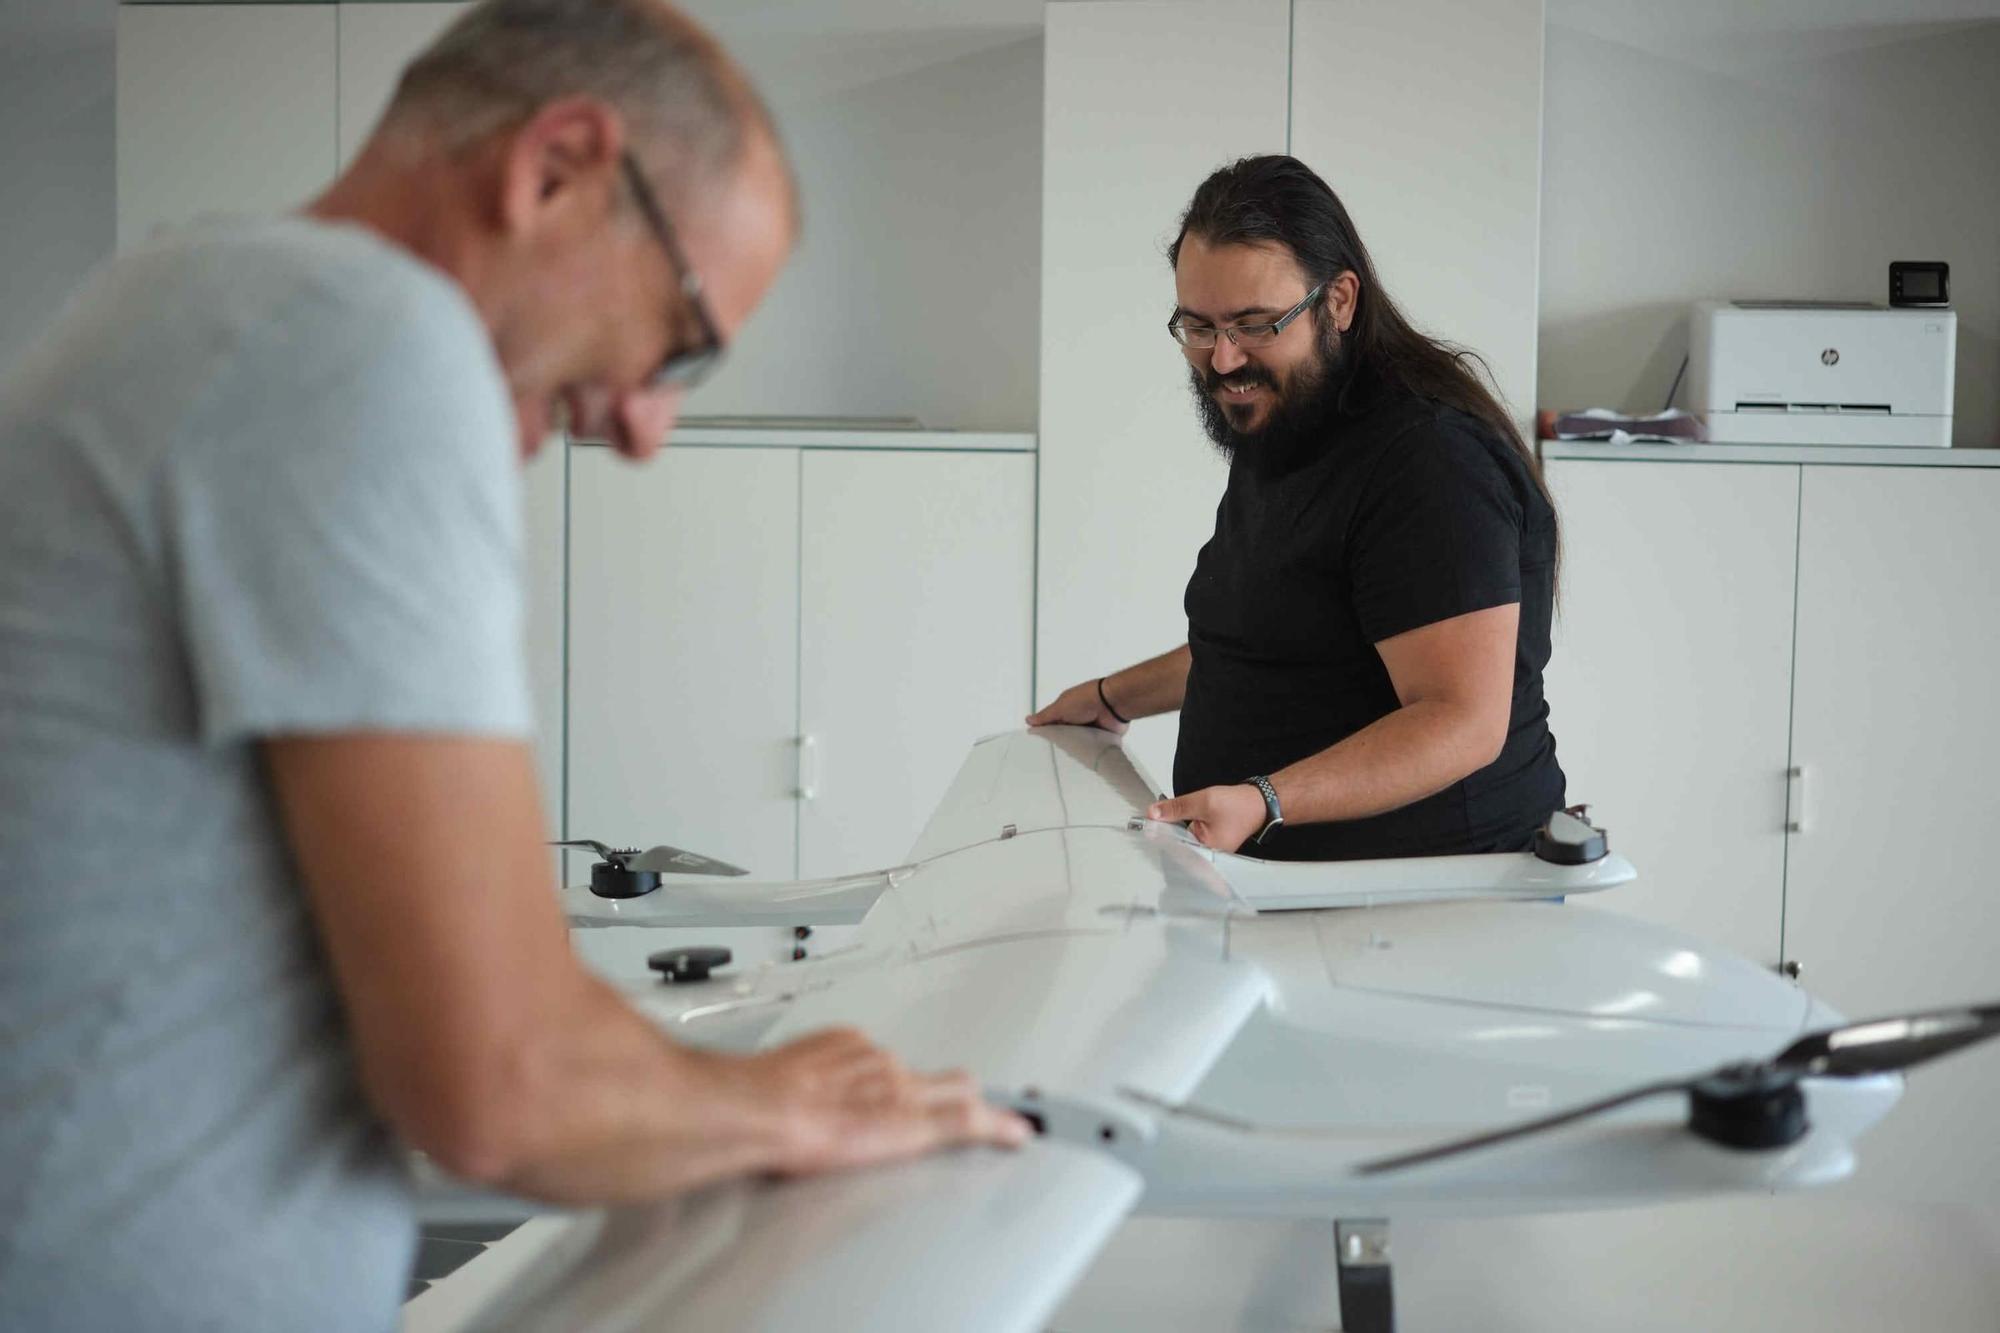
pixel 275 898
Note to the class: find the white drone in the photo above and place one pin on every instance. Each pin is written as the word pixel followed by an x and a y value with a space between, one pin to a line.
pixel 1193 1032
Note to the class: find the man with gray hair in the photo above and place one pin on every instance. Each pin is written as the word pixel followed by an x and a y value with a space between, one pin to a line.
pixel 269 863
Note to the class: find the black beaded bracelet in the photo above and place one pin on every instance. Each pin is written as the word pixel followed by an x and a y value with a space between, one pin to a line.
pixel 1107 704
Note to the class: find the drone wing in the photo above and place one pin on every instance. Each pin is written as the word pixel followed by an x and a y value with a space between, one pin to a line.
pixel 1058 777
pixel 1040 943
pixel 814 902
pixel 976 1240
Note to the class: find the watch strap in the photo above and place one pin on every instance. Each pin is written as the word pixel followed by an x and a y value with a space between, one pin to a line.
pixel 1274 815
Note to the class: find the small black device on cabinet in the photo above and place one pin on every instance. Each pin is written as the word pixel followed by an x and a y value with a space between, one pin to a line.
pixel 1919 282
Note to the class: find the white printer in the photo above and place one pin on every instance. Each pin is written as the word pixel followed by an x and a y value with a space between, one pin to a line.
pixel 1821 372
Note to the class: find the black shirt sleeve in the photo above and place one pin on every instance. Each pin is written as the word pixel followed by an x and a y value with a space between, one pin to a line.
pixel 1436 532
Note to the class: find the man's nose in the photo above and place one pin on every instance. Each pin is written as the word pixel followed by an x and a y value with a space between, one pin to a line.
pixel 645 416
pixel 1227 356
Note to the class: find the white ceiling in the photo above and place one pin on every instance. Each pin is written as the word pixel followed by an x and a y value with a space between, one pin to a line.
pixel 860 33
pixel 1743 31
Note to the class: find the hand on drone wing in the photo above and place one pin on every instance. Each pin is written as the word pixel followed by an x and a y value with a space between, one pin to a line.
pixel 846 1102
pixel 1079 706
pixel 1220 817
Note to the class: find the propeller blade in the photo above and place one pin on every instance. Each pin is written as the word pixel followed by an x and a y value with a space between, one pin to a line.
pixel 611 854
pixel 1436 1152
pixel 667 860
pixel 1885 1045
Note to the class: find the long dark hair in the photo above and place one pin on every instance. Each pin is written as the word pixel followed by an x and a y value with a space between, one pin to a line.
pixel 1281 199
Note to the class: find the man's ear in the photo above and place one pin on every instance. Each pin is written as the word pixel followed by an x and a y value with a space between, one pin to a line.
pixel 559 168
pixel 1342 294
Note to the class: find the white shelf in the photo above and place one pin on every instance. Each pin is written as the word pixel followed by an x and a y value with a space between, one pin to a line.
pixel 1850 455
pixel 750 437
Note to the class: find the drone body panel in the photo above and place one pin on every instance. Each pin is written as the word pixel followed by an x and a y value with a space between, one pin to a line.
pixel 1187 1053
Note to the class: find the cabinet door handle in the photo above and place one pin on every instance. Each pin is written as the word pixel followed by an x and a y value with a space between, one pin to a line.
pixel 808 771
pixel 1795 799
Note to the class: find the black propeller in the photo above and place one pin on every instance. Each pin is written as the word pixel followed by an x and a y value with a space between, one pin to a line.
pixel 1758 1104
pixel 627 872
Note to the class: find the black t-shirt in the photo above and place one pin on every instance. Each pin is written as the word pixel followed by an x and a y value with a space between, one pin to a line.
pixel 1413 513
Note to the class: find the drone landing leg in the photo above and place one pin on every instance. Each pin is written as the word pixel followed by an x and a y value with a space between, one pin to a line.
pixel 1361 1250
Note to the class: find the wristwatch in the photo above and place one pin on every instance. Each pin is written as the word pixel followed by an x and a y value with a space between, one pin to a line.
pixel 1273 816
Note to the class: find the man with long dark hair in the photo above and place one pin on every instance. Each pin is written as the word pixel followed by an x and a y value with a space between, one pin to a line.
pixel 1368 626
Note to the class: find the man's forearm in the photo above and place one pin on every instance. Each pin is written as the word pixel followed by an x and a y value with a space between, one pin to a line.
pixel 1156 685
pixel 1414 752
pixel 608 1110
pixel 483 1042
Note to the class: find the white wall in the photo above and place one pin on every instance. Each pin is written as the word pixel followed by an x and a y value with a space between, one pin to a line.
pixel 1779 169
pixel 1128 482
pixel 56 161
pixel 1446 192
pixel 916 291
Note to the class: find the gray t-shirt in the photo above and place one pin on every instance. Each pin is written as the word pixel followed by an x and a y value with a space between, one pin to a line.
pixel 260 479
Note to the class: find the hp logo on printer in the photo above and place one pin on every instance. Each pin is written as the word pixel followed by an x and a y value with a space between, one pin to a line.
pixel 1830 357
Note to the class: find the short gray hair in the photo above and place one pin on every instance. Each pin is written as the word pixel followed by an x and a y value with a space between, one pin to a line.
pixel 504 59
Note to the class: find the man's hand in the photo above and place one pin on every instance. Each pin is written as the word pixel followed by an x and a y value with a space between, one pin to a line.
pixel 483 1042
pixel 1079 705
pixel 846 1103
pixel 1220 817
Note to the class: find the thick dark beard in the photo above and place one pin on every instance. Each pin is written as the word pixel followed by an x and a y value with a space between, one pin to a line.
pixel 1296 429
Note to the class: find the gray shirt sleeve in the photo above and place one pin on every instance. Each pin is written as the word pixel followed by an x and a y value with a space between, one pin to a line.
pixel 345 550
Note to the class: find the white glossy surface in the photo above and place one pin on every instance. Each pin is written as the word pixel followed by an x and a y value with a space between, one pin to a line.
pixel 1550 958
pixel 1001 1237
pixel 1277 886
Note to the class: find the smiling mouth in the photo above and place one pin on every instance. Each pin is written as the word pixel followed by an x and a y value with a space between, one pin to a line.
pixel 1238 392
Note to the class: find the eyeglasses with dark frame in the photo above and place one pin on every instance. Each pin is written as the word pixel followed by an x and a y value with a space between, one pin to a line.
pixel 1242 335
pixel 687 366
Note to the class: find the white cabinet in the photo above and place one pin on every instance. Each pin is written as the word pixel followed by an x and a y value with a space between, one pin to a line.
pixel 1724 623
pixel 222 109
pixel 1892 901
pixel 915 638
pixel 780 655
pixel 1670 685
pixel 683 653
